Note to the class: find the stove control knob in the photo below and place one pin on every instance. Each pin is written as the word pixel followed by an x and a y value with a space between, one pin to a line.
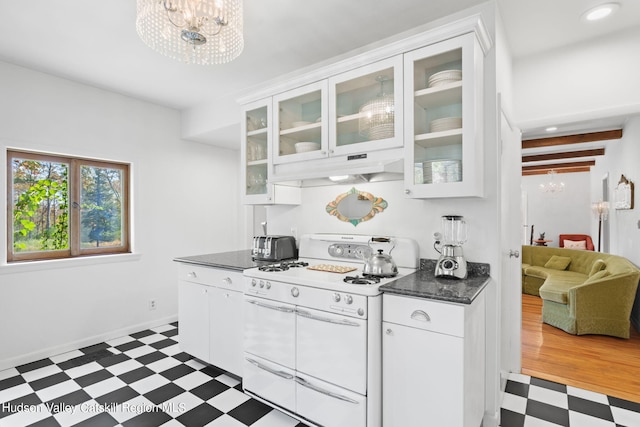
pixel 268 285
pixel 262 283
pixel 295 292
pixel 348 299
pixel 360 312
pixel 336 297
pixel 253 282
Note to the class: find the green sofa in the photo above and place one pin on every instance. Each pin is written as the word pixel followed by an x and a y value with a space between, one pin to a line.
pixel 583 292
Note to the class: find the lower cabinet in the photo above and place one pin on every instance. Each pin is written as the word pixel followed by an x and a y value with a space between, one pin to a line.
pixel 432 362
pixel 210 316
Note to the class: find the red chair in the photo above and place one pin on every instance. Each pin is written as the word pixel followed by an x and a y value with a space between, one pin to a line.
pixel 577 238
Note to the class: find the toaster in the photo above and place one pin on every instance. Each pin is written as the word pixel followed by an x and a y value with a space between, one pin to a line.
pixel 273 248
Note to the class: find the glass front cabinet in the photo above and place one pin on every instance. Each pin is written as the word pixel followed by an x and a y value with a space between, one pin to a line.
pixel 300 124
pixel 443 103
pixel 365 108
pixel 255 151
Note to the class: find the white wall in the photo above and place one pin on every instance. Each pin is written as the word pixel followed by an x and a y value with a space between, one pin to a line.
pixel 621 159
pixel 185 201
pixel 567 212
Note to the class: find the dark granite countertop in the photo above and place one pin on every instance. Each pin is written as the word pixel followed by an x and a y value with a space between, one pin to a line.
pixel 236 260
pixel 424 284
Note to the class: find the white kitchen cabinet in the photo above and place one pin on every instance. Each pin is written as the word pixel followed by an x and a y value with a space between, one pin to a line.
pixel 432 362
pixel 210 316
pixel 256 160
pixel 365 108
pixel 300 130
pixel 443 119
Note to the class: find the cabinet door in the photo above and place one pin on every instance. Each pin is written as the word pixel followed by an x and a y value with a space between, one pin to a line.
pixel 300 125
pixel 443 104
pixel 365 108
pixel 255 149
pixel 226 326
pixel 193 318
pixel 422 377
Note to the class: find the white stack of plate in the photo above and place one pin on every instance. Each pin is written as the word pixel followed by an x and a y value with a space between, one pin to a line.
pixel 444 78
pixel 446 123
pixel 441 171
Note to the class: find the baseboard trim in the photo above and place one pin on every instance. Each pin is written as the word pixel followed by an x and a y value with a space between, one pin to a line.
pixel 85 342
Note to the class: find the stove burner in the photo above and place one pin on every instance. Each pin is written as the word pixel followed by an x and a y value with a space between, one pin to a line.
pixel 283 266
pixel 366 279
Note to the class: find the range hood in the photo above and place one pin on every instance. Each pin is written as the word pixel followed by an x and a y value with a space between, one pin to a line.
pixel 345 170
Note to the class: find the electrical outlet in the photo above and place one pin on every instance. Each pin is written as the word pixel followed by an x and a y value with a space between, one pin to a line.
pixel 152 304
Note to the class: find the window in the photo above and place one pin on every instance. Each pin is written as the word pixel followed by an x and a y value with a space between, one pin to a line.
pixel 62 207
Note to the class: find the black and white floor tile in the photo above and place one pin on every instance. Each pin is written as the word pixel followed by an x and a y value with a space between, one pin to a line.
pixel 145 380
pixel 533 402
pixel 140 380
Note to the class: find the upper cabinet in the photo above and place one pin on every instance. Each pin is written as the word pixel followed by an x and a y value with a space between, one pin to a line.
pixel 365 108
pixel 255 152
pixel 413 107
pixel 443 127
pixel 300 124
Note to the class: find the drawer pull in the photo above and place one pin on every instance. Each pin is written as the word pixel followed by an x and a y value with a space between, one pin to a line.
pixel 280 374
pixel 420 315
pixel 315 388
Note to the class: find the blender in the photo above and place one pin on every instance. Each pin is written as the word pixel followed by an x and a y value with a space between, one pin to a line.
pixel 451 263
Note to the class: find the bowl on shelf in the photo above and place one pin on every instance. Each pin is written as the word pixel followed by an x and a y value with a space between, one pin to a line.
pixel 299 123
pixel 304 147
pixel 444 77
pixel 446 123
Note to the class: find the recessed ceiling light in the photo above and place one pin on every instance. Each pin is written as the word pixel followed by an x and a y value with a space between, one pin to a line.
pixel 599 12
pixel 551 128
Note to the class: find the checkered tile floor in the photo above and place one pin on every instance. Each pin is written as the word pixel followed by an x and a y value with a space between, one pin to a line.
pixel 142 379
pixel 532 402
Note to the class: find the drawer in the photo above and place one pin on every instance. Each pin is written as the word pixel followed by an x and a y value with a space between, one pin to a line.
pixel 218 277
pixel 424 314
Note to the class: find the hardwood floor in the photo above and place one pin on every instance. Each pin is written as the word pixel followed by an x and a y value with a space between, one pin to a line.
pixel 594 362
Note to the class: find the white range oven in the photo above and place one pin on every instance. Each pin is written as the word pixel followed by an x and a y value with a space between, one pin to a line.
pixel 313 330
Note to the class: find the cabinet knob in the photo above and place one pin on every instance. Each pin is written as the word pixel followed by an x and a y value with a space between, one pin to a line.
pixel 192 274
pixel 227 281
pixel 388 332
pixel 407 191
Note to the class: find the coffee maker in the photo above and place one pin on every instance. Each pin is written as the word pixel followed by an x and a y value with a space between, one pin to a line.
pixel 451 263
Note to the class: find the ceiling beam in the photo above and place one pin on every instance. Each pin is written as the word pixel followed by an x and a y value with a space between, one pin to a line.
pixel 546 171
pixel 563 155
pixel 557 166
pixel 572 139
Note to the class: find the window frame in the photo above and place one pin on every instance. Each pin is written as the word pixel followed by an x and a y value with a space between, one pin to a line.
pixel 74 189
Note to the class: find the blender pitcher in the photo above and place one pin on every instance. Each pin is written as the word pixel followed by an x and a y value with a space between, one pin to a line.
pixel 454 229
pixel 451 263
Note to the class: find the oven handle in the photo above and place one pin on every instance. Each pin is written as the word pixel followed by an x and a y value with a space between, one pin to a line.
pixel 280 374
pixel 308 385
pixel 342 322
pixel 272 307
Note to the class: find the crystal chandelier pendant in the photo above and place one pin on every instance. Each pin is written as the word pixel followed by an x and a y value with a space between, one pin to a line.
pixel 552 186
pixel 192 31
pixel 377 116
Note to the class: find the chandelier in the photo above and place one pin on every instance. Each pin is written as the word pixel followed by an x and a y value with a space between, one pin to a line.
pixel 192 31
pixel 376 117
pixel 552 186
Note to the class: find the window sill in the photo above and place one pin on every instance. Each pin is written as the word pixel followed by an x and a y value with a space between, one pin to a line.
pixel 28 266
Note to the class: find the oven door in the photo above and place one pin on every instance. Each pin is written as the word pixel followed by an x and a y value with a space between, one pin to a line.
pixel 270 330
pixel 332 347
